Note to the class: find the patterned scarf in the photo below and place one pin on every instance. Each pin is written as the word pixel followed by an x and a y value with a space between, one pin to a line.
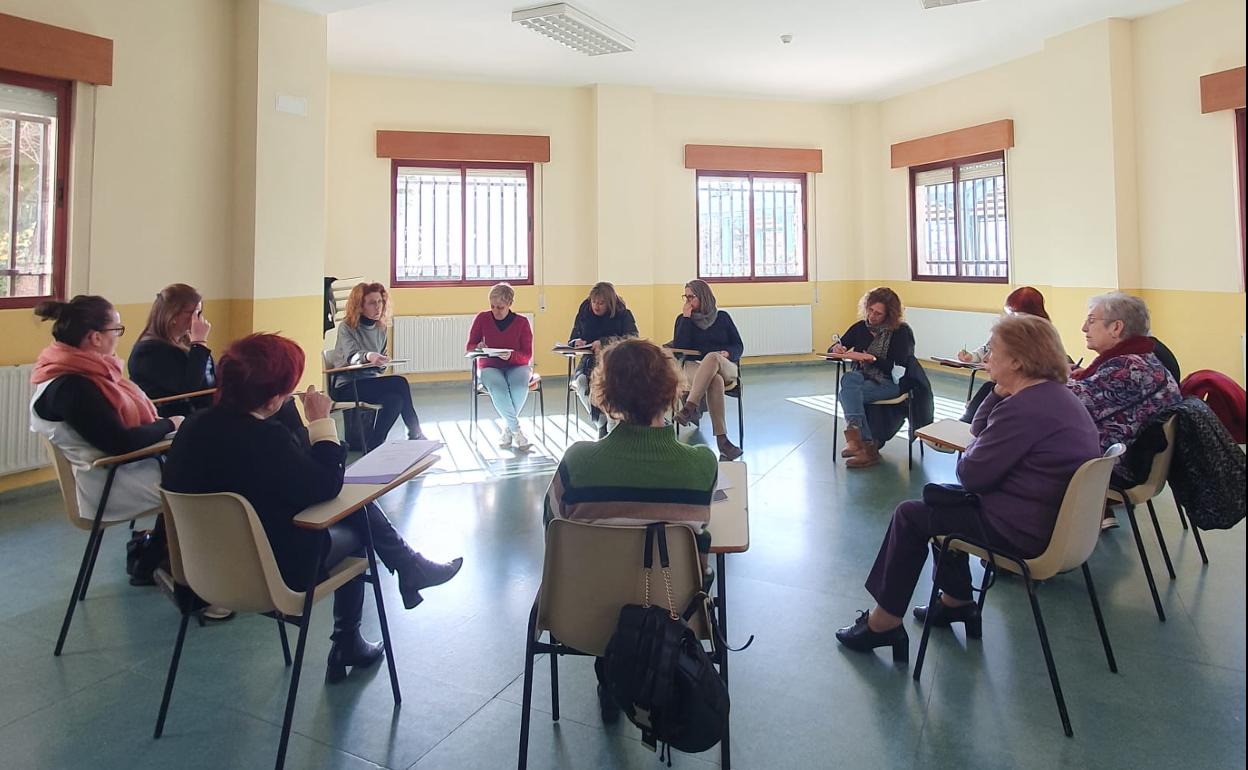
pixel 880 337
pixel 133 406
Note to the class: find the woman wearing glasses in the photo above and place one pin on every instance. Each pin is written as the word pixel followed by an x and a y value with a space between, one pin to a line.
pixel 87 408
pixel 703 327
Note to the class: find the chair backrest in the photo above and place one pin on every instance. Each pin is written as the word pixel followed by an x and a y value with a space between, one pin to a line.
pixel 224 554
pixel 1078 526
pixel 1160 470
pixel 592 570
pixel 65 480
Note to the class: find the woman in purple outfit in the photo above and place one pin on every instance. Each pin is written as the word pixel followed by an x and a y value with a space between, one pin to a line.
pixel 1031 435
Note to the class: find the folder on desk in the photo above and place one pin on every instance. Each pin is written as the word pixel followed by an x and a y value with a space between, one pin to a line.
pixel 385 463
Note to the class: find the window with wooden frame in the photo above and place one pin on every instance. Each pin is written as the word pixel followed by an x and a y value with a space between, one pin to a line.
pixel 34 163
pixel 958 225
pixel 461 224
pixel 751 226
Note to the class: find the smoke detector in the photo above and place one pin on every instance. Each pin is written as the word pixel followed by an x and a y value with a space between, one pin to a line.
pixel 930 4
pixel 573 28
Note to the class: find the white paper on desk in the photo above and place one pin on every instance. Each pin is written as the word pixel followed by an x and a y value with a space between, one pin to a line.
pixel 385 463
pixel 722 482
pixel 496 351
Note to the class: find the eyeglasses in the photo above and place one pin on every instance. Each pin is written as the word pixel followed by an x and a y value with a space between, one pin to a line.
pixel 689 296
pixel 119 329
pixel 1093 319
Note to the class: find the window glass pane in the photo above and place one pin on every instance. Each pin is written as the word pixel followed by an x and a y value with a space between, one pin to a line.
pixel 723 227
pixel 934 231
pixel 777 227
pixel 983 234
pixel 428 234
pixel 28 138
pixel 497 225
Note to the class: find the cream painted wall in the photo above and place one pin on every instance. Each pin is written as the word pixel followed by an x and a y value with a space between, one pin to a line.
pixel 1188 209
pixel 624 184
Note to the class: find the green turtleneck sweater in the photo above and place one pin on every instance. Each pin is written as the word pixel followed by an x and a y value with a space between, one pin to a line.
pixel 636 475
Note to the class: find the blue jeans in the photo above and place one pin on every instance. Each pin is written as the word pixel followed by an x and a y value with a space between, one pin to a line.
pixel 856 392
pixel 508 389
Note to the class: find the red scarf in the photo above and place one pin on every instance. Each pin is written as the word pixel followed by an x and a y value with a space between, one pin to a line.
pixel 1138 346
pixel 58 359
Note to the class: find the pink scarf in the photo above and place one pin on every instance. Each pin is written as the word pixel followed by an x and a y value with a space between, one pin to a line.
pixel 58 359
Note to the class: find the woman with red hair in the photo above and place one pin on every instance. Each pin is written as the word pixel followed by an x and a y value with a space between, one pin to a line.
pixel 282 469
pixel 1025 300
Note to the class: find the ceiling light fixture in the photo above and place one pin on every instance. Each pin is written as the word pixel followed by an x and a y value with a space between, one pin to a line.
pixel 573 28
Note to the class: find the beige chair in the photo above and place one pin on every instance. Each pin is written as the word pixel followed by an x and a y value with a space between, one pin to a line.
pixel 590 572
pixel 224 556
pixel 95 526
pixel 1144 493
pixel 904 398
pixel 1074 537
pixel 477 390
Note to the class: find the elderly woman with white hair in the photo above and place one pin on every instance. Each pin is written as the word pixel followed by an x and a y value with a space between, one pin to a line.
pixel 1126 386
pixel 506 374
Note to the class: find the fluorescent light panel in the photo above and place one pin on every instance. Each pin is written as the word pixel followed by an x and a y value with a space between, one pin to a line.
pixel 573 28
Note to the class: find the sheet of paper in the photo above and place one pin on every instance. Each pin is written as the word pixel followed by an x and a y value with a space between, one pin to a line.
pixel 386 462
pixel 722 483
pixel 496 351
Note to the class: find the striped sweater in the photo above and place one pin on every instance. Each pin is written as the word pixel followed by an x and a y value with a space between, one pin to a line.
pixel 636 475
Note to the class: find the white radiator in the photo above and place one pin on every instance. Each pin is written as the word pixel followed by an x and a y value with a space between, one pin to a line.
pixel 774 329
pixel 20 450
pixel 433 343
pixel 944 332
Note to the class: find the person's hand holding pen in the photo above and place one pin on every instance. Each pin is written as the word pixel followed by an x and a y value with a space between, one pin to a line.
pixel 1077 366
pixel 316 405
pixel 837 348
pixel 377 359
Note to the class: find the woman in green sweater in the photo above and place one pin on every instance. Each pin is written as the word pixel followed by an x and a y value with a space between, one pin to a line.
pixel 639 473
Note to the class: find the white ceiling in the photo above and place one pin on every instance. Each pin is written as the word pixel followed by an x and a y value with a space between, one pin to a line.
pixel 842 50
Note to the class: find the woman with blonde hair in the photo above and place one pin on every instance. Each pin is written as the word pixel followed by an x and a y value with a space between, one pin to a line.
pixel 505 375
pixel 363 339
pixel 601 318
pixel 889 344
pixel 172 355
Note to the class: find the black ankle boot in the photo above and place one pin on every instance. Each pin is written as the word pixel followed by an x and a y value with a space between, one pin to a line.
pixel 860 637
pixel 944 616
pixel 351 649
pixel 420 573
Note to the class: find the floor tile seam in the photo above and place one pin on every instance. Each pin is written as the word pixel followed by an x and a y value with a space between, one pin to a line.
pixel 466 719
pixel 60 700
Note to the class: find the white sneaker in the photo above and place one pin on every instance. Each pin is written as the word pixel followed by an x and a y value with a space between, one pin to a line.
pixel 504 440
pixel 522 441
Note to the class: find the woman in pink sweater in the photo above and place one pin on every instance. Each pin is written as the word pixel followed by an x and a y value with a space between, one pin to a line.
pixel 505 374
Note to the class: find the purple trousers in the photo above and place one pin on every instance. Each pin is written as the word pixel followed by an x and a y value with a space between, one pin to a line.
pixel 904 551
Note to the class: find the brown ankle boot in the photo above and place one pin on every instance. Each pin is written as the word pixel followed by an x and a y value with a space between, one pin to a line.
pixel 870 455
pixel 853 442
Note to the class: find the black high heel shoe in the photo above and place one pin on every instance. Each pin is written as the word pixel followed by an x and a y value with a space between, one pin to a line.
pixel 351 651
pixel 421 574
pixel 944 616
pixel 860 637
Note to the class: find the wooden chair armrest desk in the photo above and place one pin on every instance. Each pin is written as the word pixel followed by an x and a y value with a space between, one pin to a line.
pixel 950 434
pixel 160 447
pixel 184 396
pixel 954 363
pixel 358 367
pixel 355 496
pixel 730 533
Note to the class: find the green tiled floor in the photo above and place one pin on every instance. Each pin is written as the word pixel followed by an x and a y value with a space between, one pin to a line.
pixel 799 701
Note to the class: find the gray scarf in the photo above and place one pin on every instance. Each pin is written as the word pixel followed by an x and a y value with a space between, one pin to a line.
pixel 704 317
pixel 880 337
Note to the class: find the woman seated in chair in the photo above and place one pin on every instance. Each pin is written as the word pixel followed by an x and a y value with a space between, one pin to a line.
pixel 1031 435
pixel 1024 299
pixel 362 338
pixel 234 447
pixel 703 327
pixel 601 318
pixel 172 354
pixel 888 344
pixel 505 375
pixel 639 473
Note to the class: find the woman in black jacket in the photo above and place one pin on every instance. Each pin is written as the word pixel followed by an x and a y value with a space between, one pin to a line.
pixel 172 356
pixel 703 327
pixel 234 447
pixel 886 342
pixel 601 319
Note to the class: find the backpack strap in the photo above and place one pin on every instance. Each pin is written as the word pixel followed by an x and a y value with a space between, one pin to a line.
pixel 717 637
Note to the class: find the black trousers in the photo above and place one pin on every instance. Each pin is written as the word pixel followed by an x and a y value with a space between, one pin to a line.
pixel 393 394
pixel 348 538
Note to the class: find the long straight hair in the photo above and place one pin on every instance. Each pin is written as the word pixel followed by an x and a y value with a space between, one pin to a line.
pixel 170 301
pixel 606 292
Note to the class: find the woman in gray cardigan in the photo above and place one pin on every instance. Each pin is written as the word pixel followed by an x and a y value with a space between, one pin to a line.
pixel 362 339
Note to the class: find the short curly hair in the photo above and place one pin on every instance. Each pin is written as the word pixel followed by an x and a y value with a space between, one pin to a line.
pixel 886 297
pixel 635 381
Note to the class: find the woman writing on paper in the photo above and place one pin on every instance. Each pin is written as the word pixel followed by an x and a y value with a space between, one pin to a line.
pixel 362 339
pixel 703 327
pixel 601 318
pixel 506 374
pixel 1024 299
pixel 234 447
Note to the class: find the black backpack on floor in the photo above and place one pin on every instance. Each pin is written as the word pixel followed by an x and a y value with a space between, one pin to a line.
pixel 657 671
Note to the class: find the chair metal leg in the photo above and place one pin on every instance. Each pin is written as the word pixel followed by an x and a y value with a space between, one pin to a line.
pixel 305 622
pixel 1048 656
pixel 567 405
pixel 173 673
pixel 1161 539
pixel 1100 620
pixel 281 632
pixel 740 416
pixel 983 586
pixel 527 699
pixel 541 400
pixel 836 411
pixel 1200 545
pixel 927 620
pixel 721 611
pixel 80 582
pixel 1179 508
pixel 554 680
pixel 373 577
pixel 1148 570
pixel 355 388
pixel 95 552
